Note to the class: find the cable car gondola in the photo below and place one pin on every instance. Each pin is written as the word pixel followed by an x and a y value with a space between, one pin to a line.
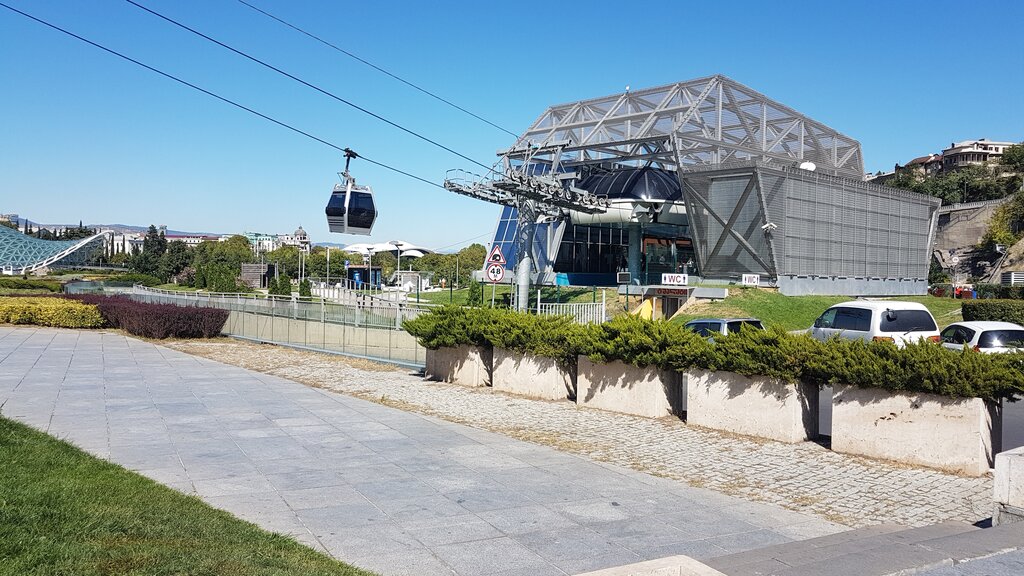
pixel 351 209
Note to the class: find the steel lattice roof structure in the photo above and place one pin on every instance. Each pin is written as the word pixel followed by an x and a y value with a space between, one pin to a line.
pixel 762 189
pixel 20 253
pixel 712 120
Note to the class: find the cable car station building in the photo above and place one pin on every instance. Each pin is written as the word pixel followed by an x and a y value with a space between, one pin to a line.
pixel 706 177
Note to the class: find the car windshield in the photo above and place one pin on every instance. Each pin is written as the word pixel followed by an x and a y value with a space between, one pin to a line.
pixel 738 325
pixel 1001 339
pixel 907 321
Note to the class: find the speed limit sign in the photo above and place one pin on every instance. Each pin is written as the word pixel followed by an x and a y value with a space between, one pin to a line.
pixel 495 272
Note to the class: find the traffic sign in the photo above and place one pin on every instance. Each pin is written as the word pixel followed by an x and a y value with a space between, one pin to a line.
pixel 495 272
pixel 496 257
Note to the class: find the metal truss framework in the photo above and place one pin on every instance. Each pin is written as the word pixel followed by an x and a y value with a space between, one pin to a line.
pixel 713 120
pixel 21 254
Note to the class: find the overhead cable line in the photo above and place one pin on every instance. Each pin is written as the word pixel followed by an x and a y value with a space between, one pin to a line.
pixel 379 69
pixel 463 242
pixel 217 96
pixel 309 85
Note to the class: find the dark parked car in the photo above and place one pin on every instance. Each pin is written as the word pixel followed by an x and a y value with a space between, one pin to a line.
pixel 709 327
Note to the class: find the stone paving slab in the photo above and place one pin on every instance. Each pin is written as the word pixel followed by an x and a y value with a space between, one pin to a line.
pixel 804 477
pixel 386 489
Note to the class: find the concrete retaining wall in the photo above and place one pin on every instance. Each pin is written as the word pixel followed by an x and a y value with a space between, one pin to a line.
pixel 762 407
pixel 619 387
pixel 1008 488
pixel 532 376
pixel 956 435
pixel 465 365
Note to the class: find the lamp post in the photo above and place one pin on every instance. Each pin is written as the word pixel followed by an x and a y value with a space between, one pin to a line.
pixel 398 265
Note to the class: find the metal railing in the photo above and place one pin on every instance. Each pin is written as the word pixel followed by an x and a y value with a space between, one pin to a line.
pixel 367 329
pixel 581 312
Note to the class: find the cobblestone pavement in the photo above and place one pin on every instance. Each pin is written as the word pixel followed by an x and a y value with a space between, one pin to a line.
pixel 806 477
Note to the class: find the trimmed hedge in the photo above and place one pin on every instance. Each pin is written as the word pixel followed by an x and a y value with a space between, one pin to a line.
pixel 923 367
pixel 1000 310
pixel 29 284
pixel 48 311
pixel 157 320
pixel 1000 291
pixel 451 326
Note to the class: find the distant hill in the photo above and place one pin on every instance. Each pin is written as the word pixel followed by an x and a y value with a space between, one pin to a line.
pixel 119 228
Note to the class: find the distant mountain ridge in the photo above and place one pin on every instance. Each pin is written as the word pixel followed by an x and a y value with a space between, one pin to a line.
pixel 119 228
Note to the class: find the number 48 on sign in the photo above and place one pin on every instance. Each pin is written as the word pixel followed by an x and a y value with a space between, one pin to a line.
pixel 495 272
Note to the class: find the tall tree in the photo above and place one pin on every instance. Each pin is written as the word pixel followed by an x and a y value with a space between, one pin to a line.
pixel 154 242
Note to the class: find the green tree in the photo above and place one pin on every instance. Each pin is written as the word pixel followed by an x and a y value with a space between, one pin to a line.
pixel 287 259
pixel 1013 157
pixel 936 275
pixel 154 242
pixel 470 258
pixel 476 294
pixel 214 261
pixel 304 288
pixel 316 262
pixel 176 258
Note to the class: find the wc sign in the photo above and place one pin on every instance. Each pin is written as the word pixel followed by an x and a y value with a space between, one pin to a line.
pixel 675 279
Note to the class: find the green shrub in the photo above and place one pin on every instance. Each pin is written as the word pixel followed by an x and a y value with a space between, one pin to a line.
pixel 643 343
pixel 134 278
pixel 917 368
pixel 305 289
pixel 11 283
pixel 556 337
pixel 451 326
pixel 49 311
pixel 1002 310
pixel 751 352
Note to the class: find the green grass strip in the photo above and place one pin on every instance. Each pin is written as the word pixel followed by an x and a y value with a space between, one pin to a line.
pixel 64 512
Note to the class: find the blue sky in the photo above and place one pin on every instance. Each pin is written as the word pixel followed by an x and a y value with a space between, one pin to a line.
pixel 87 136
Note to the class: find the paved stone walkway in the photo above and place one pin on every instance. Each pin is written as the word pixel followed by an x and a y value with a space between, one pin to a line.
pixel 803 477
pixel 385 489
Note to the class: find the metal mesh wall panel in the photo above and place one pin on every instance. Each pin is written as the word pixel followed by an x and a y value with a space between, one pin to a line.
pixel 842 228
pixel 806 224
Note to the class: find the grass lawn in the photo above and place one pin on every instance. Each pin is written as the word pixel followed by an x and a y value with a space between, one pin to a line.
pixel 24 291
pixel 176 287
pixel 797 312
pixel 63 511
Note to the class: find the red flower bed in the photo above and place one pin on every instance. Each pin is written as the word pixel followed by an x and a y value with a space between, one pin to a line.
pixel 157 320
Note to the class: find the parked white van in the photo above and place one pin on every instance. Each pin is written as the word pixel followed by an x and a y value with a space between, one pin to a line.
pixel 890 320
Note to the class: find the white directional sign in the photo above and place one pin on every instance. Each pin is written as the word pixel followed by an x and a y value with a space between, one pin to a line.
pixel 751 279
pixel 496 257
pixel 675 279
pixel 495 272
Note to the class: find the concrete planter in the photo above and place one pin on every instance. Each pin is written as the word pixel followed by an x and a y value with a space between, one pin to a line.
pixel 532 376
pixel 465 365
pixel 1008 488
pixel 954 434
pixel 762 407
pixel 619 387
